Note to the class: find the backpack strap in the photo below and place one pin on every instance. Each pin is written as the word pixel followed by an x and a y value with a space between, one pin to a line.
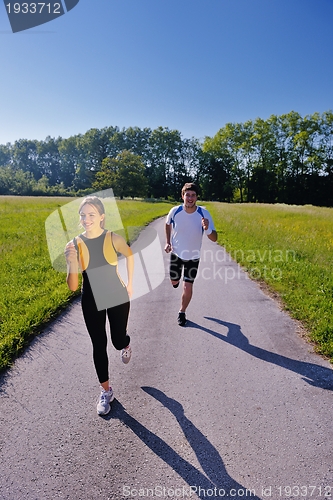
pixel 179 209
pixel 82 252
pixel 109 251
pixel 199 210
pixel 75 244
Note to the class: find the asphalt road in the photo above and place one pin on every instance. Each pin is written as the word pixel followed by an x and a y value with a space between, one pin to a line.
pixel 234 405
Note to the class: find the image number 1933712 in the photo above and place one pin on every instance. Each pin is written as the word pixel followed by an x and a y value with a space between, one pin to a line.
pixel 25 15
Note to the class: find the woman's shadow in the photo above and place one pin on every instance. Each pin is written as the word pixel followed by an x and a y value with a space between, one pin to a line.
pixel 214 479
pixel 315 375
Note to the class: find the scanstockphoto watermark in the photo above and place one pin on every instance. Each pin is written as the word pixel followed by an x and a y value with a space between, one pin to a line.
pixel 220 265
pixel 249 256
pixel 225 274
pixel 24 15
pixel 159 491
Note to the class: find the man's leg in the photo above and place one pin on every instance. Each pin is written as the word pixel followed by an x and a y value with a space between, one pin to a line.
pixel 185 300
pixel 176 265
pixel 187 295
pixel 190 273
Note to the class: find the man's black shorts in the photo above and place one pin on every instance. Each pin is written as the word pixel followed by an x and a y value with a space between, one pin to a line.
pixel 176 266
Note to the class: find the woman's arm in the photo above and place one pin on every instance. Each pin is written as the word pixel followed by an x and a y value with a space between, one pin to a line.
pixel 72 266
pixel 122 247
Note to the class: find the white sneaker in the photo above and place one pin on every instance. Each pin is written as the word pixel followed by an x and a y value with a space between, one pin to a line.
pixel 126 354
pixel 103 405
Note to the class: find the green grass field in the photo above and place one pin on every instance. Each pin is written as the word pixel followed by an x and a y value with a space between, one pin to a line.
pixel 288 247
pixel 291 249
pixel 31 291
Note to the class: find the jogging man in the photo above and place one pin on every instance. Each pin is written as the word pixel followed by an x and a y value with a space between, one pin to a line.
pixel 184 228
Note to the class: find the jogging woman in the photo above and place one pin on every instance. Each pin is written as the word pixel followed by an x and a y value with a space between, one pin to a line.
pixel 94 254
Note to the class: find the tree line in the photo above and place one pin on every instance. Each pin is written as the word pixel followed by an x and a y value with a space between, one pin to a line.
pixel 284 159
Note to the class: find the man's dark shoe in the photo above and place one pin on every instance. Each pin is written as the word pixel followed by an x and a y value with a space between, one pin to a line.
pixel 181 319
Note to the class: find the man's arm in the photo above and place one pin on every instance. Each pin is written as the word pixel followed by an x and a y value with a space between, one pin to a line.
pixel 211 233
pixel 168 247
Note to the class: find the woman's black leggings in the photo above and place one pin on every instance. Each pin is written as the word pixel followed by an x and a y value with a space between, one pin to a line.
pixel 95 322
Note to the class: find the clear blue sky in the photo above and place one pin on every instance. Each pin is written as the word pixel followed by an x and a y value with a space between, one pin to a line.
pixel 190 65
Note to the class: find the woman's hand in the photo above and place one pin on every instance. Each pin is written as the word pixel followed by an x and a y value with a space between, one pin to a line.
pixel 72 266
pixel 70 253
pixel 130 290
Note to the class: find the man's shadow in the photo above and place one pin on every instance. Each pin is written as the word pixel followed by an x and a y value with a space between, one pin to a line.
pixel 315 375
pixel 214 477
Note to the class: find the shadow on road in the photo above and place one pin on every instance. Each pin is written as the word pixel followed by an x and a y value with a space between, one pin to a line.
pixel 215 481
pixel 315 375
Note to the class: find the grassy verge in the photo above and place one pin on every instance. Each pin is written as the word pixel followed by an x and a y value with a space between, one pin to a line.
pixel 31 291
pixel 291 249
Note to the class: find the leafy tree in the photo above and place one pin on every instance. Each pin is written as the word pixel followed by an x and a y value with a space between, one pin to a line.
pixel 6 176
pixel 5 154
pixel 69 160
pixel 229 143
pixel 48 160
pixel 16 181
pixel 75 167
pixel 215 178
pixel 163 160
pixel 25 155
pixel 262 184
pixel 124 174
pixel 325 152
pixel 96 144
pixel 131 139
